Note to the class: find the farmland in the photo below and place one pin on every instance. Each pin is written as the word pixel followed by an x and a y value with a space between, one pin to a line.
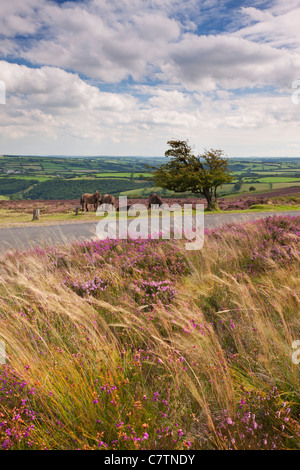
pixel 67 178
pixel 32 177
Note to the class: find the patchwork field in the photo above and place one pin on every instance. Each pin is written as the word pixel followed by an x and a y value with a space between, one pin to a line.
pixel 24 177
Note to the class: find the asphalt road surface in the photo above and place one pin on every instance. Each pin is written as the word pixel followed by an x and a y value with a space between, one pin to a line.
pixel 24 237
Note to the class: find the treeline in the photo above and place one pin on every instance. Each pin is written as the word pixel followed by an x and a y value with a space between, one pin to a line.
pixel 10 186
pixel 73 189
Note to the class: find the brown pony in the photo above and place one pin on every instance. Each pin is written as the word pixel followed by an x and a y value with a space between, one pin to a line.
pixel 154 199
pixel 90 199
pixel 108 199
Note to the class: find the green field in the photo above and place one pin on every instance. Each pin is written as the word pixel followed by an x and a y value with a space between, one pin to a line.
pixel 123 175
pixel 279 179
pixel 32 177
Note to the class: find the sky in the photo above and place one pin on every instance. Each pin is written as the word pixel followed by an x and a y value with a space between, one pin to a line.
pixel 123 77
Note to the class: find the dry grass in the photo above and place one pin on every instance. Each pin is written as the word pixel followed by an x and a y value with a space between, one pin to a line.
pixel 107 359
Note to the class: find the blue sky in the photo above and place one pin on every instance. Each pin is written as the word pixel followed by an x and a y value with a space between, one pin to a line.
pixel 122 77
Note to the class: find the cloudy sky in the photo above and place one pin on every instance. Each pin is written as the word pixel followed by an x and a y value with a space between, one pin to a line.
pixel 122 77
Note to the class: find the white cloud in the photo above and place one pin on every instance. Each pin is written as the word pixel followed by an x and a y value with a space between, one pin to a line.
pixel 111 41
pixel 278 27
pixel 96 39
pixel 18 17
pixel 204 62
pixel 187 84
pixel 50 105
pixel 51 100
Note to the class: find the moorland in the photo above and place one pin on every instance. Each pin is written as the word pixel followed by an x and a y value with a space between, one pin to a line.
pixel 141 344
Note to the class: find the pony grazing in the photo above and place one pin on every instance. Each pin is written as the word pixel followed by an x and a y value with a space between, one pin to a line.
pixel 90 199
pixel 154 199
pixel 108 202
pixel 108 199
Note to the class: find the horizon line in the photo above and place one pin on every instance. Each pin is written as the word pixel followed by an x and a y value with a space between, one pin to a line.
pixel 131 156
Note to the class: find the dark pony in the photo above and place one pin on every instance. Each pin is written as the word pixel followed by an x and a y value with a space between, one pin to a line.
pixel 154 199
pixel 90 199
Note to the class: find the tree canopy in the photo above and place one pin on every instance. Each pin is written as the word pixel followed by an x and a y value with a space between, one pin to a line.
pixel 201 174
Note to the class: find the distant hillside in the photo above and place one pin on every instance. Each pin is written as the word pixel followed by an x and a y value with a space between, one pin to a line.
pixel 72 189
pixel 14 185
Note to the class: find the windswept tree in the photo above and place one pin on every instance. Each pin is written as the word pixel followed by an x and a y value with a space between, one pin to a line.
pixel 203 174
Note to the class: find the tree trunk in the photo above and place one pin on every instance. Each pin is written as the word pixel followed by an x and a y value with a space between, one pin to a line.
pixel 211 204
pixel 36 214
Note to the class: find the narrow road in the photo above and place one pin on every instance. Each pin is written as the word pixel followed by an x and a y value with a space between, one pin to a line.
pixel 24 237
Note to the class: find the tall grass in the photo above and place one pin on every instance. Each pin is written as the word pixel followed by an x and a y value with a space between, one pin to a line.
pixel 143 345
